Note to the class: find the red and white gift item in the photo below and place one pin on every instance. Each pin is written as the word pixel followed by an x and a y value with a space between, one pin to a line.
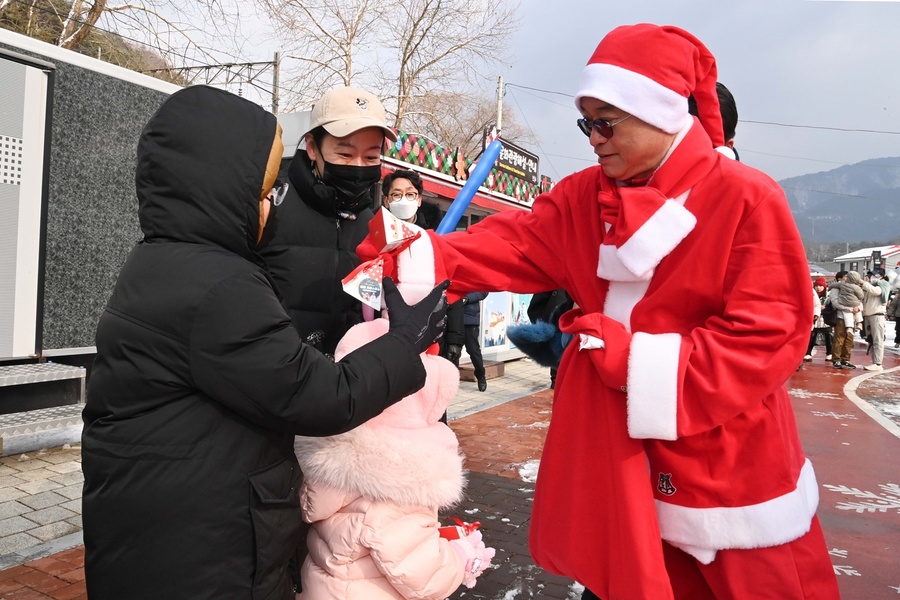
pixel 392 236
pixel 364 283
pixel 460 530
pixel 390 233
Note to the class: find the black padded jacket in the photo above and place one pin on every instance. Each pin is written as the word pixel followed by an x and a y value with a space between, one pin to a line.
pixel 201 382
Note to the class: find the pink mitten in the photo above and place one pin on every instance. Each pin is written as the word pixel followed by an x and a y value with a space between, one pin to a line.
pixel 475 555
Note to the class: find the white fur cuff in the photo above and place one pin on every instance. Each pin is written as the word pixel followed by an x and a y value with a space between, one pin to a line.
pixel 415 268
pixel 653 386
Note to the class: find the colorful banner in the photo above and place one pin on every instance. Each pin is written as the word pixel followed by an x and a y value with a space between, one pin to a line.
pixel 422 152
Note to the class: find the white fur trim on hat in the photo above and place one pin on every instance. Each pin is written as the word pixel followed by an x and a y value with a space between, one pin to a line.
pixel 702 531
pixel 653 386
pixel 634 93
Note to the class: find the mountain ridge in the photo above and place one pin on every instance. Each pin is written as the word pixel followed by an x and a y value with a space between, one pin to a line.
pixel 851 203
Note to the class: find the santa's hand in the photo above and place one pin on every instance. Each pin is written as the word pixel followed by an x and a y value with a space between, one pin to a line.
pixel 589 342
pixel 606 342
pixel 476 556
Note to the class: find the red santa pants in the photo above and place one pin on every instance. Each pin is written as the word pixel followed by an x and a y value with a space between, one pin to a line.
pixel 797 570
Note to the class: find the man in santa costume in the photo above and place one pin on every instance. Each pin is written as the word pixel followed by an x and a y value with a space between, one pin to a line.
pixel 672 466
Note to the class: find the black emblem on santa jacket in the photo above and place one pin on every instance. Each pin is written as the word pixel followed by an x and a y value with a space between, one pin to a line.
pixel 665 484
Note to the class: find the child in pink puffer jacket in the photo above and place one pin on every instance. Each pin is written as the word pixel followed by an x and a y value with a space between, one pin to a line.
pixel 372 496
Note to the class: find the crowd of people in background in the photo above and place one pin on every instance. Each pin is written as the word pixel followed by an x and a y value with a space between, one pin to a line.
pixel 851 305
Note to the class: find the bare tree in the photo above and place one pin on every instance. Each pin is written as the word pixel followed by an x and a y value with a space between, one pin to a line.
pixel 179 31
pixel 79 22
pixel 402 51
pixel 325 43
pixel 444 44
pixel 458 120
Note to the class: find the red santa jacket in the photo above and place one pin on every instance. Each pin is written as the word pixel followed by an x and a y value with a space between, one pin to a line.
pixel 693 294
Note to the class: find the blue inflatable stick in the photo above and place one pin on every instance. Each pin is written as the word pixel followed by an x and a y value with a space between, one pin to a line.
pixel 476 178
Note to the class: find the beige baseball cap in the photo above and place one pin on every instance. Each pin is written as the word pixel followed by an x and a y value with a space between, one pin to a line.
pixel 345 110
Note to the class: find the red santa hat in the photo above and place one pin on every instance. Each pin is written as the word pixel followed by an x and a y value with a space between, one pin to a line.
pixel 649 71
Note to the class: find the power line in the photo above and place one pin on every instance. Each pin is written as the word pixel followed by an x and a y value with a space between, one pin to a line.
pixel 822 127
pixel 524 118
pixel 581 158
pixel 787 187
pixel 830 162
pixel 568 106
pixel 525 87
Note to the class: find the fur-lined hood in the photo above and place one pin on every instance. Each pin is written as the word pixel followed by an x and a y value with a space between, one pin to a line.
pixel 405 455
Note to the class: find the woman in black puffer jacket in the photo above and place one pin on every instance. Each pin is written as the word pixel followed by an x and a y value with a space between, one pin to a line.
pixel 200 381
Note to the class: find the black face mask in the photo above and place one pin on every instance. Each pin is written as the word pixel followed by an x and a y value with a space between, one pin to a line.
pixel 352 185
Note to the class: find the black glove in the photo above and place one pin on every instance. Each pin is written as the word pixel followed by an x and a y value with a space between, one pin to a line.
pixel 454 351
pixel 421 324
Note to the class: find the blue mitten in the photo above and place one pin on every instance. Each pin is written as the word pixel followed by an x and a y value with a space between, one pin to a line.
pixel 541 341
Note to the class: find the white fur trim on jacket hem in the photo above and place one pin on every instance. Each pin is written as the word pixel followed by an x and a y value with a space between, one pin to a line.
pixel 701 532
pixel 634 93
pixel 653 386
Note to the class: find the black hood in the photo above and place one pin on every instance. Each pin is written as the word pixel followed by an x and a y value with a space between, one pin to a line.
pixel 201 161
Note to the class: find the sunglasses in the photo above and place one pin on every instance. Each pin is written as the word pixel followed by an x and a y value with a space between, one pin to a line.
pixel 602 126
pixel 279 191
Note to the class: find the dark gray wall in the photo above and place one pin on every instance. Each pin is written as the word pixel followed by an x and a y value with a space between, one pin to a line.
pixel 92 210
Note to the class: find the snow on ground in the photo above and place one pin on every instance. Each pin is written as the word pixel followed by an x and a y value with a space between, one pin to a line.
pixel 537 425
pixel 529 471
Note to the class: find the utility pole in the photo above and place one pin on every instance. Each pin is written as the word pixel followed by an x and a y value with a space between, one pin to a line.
pixel 499 104
pixel 275 83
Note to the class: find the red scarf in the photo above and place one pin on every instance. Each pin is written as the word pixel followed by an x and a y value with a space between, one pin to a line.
pixel 627 208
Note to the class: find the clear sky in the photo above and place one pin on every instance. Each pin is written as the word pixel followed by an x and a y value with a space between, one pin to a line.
pixel 820 64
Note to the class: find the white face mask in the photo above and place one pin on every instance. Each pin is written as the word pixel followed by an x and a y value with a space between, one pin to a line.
pixel 404 209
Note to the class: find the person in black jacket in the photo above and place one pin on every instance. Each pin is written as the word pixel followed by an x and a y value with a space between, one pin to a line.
pixel 471 303
pixel 548 307
pixel 326 214
pixel 201 382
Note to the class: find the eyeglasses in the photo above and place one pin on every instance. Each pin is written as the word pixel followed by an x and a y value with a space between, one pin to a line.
pixel 279 191
pixel 408 195
pixel 603 127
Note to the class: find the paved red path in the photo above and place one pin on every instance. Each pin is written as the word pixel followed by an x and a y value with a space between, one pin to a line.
pixel 856 458
pixel 57 577
pixel 857 463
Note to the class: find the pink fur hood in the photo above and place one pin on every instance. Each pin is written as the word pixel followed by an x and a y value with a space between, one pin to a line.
pixel 404 456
